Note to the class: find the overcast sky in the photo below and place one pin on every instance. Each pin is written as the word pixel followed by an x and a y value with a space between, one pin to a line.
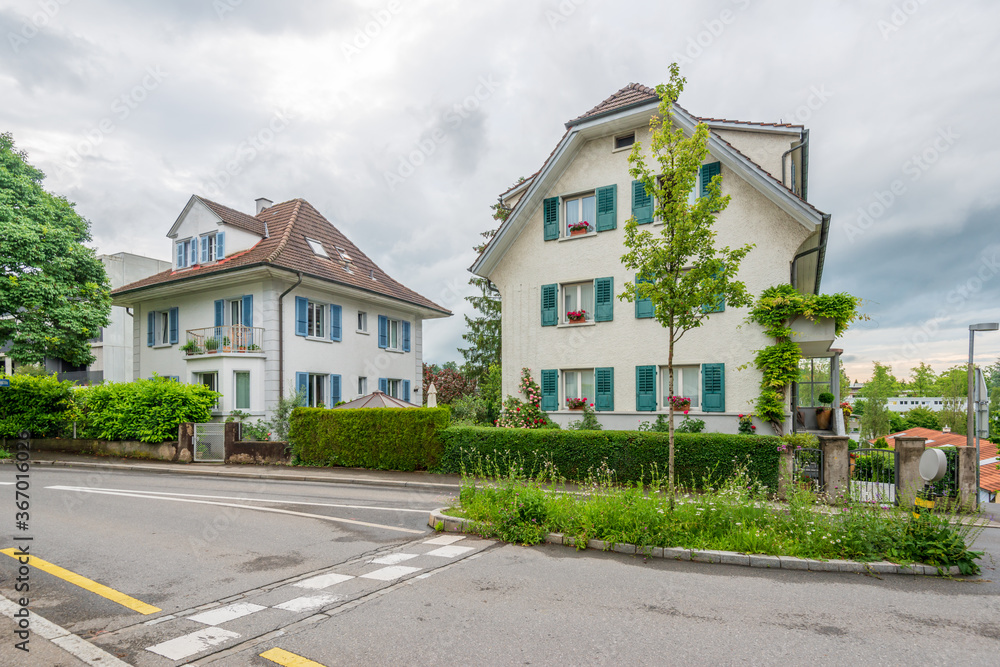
pixel 401 122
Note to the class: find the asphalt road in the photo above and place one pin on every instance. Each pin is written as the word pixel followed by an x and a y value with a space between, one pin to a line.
pixel 346 575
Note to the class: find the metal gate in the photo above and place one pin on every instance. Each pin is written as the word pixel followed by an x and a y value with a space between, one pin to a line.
pixel 873 475
pixel 809 467
pixel 210 442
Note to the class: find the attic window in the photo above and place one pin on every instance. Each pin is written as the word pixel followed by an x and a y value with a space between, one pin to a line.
pixel 317 247
pixel 343 254
pixel 624 140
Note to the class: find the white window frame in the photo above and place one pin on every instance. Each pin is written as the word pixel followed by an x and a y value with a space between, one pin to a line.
pixel 579 385
pixel 236 390
pixel 393 387
pixel 316 328
pixel 579 218
pixel 578 286
pixel 362 386
pixel 624 135
pixel 679 388
pixel 161 328
pixel 237 306
pixel 317 248
pixel 316 388
pixel 200 379
pixel 362 322
pixel 394 330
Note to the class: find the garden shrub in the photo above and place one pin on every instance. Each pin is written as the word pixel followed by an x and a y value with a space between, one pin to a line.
pixel 377 438
pixel 630 454
pixel 144 410
pixel 38 404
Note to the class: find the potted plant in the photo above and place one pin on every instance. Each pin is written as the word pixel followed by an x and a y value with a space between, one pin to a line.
pixel 211 345
pixel 190 347
pixel 577 316
pixel 579 228
pixel 680 403
pixel 576 403
pixel 253 348
pixel 227 345
pixel 823 414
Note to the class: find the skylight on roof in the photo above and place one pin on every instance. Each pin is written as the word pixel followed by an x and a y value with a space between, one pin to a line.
pixel 343 254
pixel 317 247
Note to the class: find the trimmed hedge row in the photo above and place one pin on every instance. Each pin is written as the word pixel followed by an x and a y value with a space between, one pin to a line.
pixel 143 410
pixel 630 454
pixel 39 405
pixel 376 438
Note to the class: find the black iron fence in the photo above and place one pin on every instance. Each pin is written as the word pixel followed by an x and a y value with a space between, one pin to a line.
pixel 873 475
pixel 808 468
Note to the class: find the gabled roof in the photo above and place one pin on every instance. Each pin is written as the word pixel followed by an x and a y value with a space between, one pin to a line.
pixel 288 224
pixel 630 104
pixel 235 218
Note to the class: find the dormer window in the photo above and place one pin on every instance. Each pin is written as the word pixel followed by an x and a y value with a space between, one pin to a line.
pixel 213 247
pixel 317 247
pixel 186 253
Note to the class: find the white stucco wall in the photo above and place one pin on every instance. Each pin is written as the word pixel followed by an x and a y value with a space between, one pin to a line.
pixel 764 148
pixel 627 342
pixel 356 355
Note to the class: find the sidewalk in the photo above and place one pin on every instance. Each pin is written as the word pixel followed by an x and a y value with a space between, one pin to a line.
pixel 417 480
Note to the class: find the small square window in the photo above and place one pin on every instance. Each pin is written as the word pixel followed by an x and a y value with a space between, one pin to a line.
pixel 624 140
pixel 317 247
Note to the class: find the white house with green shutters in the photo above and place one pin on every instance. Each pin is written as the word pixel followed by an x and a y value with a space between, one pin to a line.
pixel 556 263
pixel 257 306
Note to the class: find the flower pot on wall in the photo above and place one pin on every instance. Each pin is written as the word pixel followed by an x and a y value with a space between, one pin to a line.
pixel 577 232
pixel 823 418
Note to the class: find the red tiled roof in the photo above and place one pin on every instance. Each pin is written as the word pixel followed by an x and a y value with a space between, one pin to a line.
pixel 934 438
pixel 235 218
pixel 748 122
pixel 289 223
pixel 632 94
pixel 989 474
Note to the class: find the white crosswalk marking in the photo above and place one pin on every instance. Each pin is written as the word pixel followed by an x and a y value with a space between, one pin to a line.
pixel 445 539
pixel 392 559
pixel 196 642
pixel 390 573
pixel 227 613
pixel 323 580
pixel 449 551
pixel 308 603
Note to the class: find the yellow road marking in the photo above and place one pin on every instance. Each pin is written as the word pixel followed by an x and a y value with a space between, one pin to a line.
pixel 283 657
pixel 87 584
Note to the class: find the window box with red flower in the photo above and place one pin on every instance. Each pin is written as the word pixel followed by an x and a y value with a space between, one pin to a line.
pixel 576 316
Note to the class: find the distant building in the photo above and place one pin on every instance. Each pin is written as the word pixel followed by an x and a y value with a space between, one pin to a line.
pixel 902 404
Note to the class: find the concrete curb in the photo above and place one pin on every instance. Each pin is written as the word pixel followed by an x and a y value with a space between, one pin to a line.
pixel 457 525
pixel 362 481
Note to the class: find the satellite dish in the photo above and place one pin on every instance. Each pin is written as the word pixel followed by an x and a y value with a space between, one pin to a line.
pixel 933 465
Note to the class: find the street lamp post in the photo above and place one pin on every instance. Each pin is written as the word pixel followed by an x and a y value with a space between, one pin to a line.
pixel 969 426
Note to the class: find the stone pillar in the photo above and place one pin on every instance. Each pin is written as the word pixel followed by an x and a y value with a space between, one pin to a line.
pixel 185 442
pixel 786 469
pixel 967 465
pixel 836 466
pixel 908 479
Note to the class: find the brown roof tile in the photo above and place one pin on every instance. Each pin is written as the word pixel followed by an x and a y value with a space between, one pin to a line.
pixel 633 93
pixel 289 223
pixel 235 218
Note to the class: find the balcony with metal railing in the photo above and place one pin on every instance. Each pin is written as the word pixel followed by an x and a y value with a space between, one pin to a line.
pixel 229 339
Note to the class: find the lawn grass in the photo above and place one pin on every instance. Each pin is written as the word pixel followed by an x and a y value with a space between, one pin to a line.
pixel 504 502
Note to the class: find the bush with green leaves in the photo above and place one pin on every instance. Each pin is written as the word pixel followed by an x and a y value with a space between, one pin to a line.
pixel 588 423
pixel 700 457
pixel 375 438
pixel 41 405
pixel 144 410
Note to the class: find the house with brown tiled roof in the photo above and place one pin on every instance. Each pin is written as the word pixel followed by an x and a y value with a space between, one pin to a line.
pixel 547 264
pixel 260 306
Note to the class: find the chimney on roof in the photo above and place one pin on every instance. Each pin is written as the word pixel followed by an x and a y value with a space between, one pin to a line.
pixel 263 203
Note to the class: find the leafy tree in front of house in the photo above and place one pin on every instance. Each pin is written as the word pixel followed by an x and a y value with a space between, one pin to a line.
pixel 876 420
pixel 683 272
pixel 54 293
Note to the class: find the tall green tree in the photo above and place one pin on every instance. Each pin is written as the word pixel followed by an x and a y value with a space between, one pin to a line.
pixel 922 381
pixel 682 271
pixel 54 293
pixel 953 386
pixel 484 333
pixel 875 420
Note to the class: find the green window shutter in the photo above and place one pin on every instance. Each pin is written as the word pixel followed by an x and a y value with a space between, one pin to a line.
pixel 607 208
pixel 550 218
pixel 718 306
pixel 604 378
pixel 643 307
pixel 708 171
pixel 642 204
pixel 645 388
pixel 713 387
pixel 550 390
pixel 604 299
pixel 550 305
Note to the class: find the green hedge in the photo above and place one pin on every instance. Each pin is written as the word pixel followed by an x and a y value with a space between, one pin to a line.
pixel 144 410
pixel 40 405
pixel 377 438
pixel 631 454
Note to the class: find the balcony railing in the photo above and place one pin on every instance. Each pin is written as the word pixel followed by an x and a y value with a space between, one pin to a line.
pixel 233 339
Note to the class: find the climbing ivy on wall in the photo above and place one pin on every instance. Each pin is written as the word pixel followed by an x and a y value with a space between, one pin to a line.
pixel 779 363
